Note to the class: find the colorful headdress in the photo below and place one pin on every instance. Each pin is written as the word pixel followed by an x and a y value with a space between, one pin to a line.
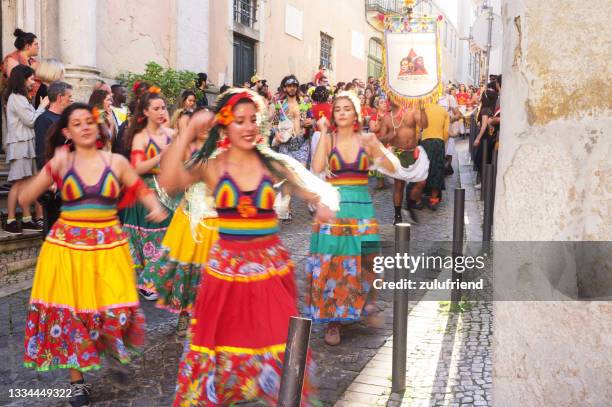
pixel 226 115
pixel 282 166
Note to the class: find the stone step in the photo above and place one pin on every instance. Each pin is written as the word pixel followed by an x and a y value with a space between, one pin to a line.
pixel 18 256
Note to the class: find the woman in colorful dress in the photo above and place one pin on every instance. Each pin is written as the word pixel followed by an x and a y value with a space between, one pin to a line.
pixel 147 139
pixel 339 285
pixel 248 293
pixel 185 249
pixel 84 301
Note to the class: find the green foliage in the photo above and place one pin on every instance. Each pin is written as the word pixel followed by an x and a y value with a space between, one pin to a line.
pixel 171 82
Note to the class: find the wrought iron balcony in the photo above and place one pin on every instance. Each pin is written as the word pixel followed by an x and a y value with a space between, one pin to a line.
pixel 385 6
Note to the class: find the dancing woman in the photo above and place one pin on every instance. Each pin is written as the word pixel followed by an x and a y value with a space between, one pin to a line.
pixel 185 248
pixel 84 301
pixel 339 284
pixel 247 293
pixel 147 138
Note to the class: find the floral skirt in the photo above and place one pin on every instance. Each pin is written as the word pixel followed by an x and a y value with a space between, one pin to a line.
pixel 239 327
pixel 175 276
pixel 145 237
pixel 84 301
pixel 338 270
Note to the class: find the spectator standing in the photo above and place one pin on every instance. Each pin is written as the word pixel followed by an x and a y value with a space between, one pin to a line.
pixel 20 148
pixel 202 84
pixel 293 123
pixel 487 110
pixel 320 108
pixel 187 105
pixel 27 48
pixel 60 97
pixel 449 102
pixel 318 78
pixel 48 70
pixel 103 101
pixel 100 84
pixel 120 110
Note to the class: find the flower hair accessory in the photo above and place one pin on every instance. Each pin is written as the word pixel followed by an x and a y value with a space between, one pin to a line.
pixel 154 89
pixel 135 86
pixel 225 116
pixel 97 116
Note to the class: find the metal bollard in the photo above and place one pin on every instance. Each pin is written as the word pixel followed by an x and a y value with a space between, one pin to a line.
pixel 458 228
pixel 294 366
pixel 485 160
pixel 400 314
pixel 489 188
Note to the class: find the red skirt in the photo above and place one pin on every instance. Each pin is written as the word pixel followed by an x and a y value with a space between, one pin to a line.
pixel 239 327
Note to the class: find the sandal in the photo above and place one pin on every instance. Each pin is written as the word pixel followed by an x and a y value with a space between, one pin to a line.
pixel 332 334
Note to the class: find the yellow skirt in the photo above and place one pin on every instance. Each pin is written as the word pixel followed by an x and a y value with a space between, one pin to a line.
pixel 86 267
pixel 178 267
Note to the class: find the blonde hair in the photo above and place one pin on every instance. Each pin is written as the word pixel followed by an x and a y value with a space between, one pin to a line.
pixel 50 70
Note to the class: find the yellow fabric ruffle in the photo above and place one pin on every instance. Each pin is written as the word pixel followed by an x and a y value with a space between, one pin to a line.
pixel 180 242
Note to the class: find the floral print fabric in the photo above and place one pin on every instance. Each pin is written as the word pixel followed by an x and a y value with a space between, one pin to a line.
pixel 63 338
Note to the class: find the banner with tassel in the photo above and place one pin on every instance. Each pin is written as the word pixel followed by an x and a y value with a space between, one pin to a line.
pixel 412 60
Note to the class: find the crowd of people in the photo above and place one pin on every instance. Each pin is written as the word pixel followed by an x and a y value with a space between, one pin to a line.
pixel 185 208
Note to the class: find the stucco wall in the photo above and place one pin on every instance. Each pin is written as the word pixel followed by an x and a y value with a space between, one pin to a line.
pixel 554 182
pixel 221 43
pixel 132 33
pixel 283 54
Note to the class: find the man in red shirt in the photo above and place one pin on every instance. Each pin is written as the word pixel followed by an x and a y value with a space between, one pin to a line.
pixel 319 76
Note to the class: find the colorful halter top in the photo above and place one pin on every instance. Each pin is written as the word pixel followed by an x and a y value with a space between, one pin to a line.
pixel 152 150
pixel 355 173
pixel 82 202
pixel 245 215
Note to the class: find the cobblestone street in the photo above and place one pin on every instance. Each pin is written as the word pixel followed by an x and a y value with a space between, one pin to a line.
pixel 448 354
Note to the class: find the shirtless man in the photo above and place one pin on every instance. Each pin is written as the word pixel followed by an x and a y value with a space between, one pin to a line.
pixel 398 129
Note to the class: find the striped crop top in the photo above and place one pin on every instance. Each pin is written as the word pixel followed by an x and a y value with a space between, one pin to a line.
pixel 355 173
pixel 152 150
pixel 244 215
pixel 88 202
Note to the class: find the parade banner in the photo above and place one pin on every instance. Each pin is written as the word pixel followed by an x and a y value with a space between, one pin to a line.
pixel 412 66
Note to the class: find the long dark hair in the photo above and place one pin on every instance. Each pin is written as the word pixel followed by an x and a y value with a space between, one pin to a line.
pixel 214 135
pixel 139 121
pixel 23 38
pixel 55 137
pixel 185 95
pixel 17 82
pixel 97 98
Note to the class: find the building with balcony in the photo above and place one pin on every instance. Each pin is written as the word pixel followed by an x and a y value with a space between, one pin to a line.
pixel 228 39
pixel 457 60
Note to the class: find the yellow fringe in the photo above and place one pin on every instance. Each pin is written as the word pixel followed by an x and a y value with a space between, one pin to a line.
pixel 410 102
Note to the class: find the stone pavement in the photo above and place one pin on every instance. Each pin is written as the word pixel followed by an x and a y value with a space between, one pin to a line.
pixel 448 354
pixel 154 374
